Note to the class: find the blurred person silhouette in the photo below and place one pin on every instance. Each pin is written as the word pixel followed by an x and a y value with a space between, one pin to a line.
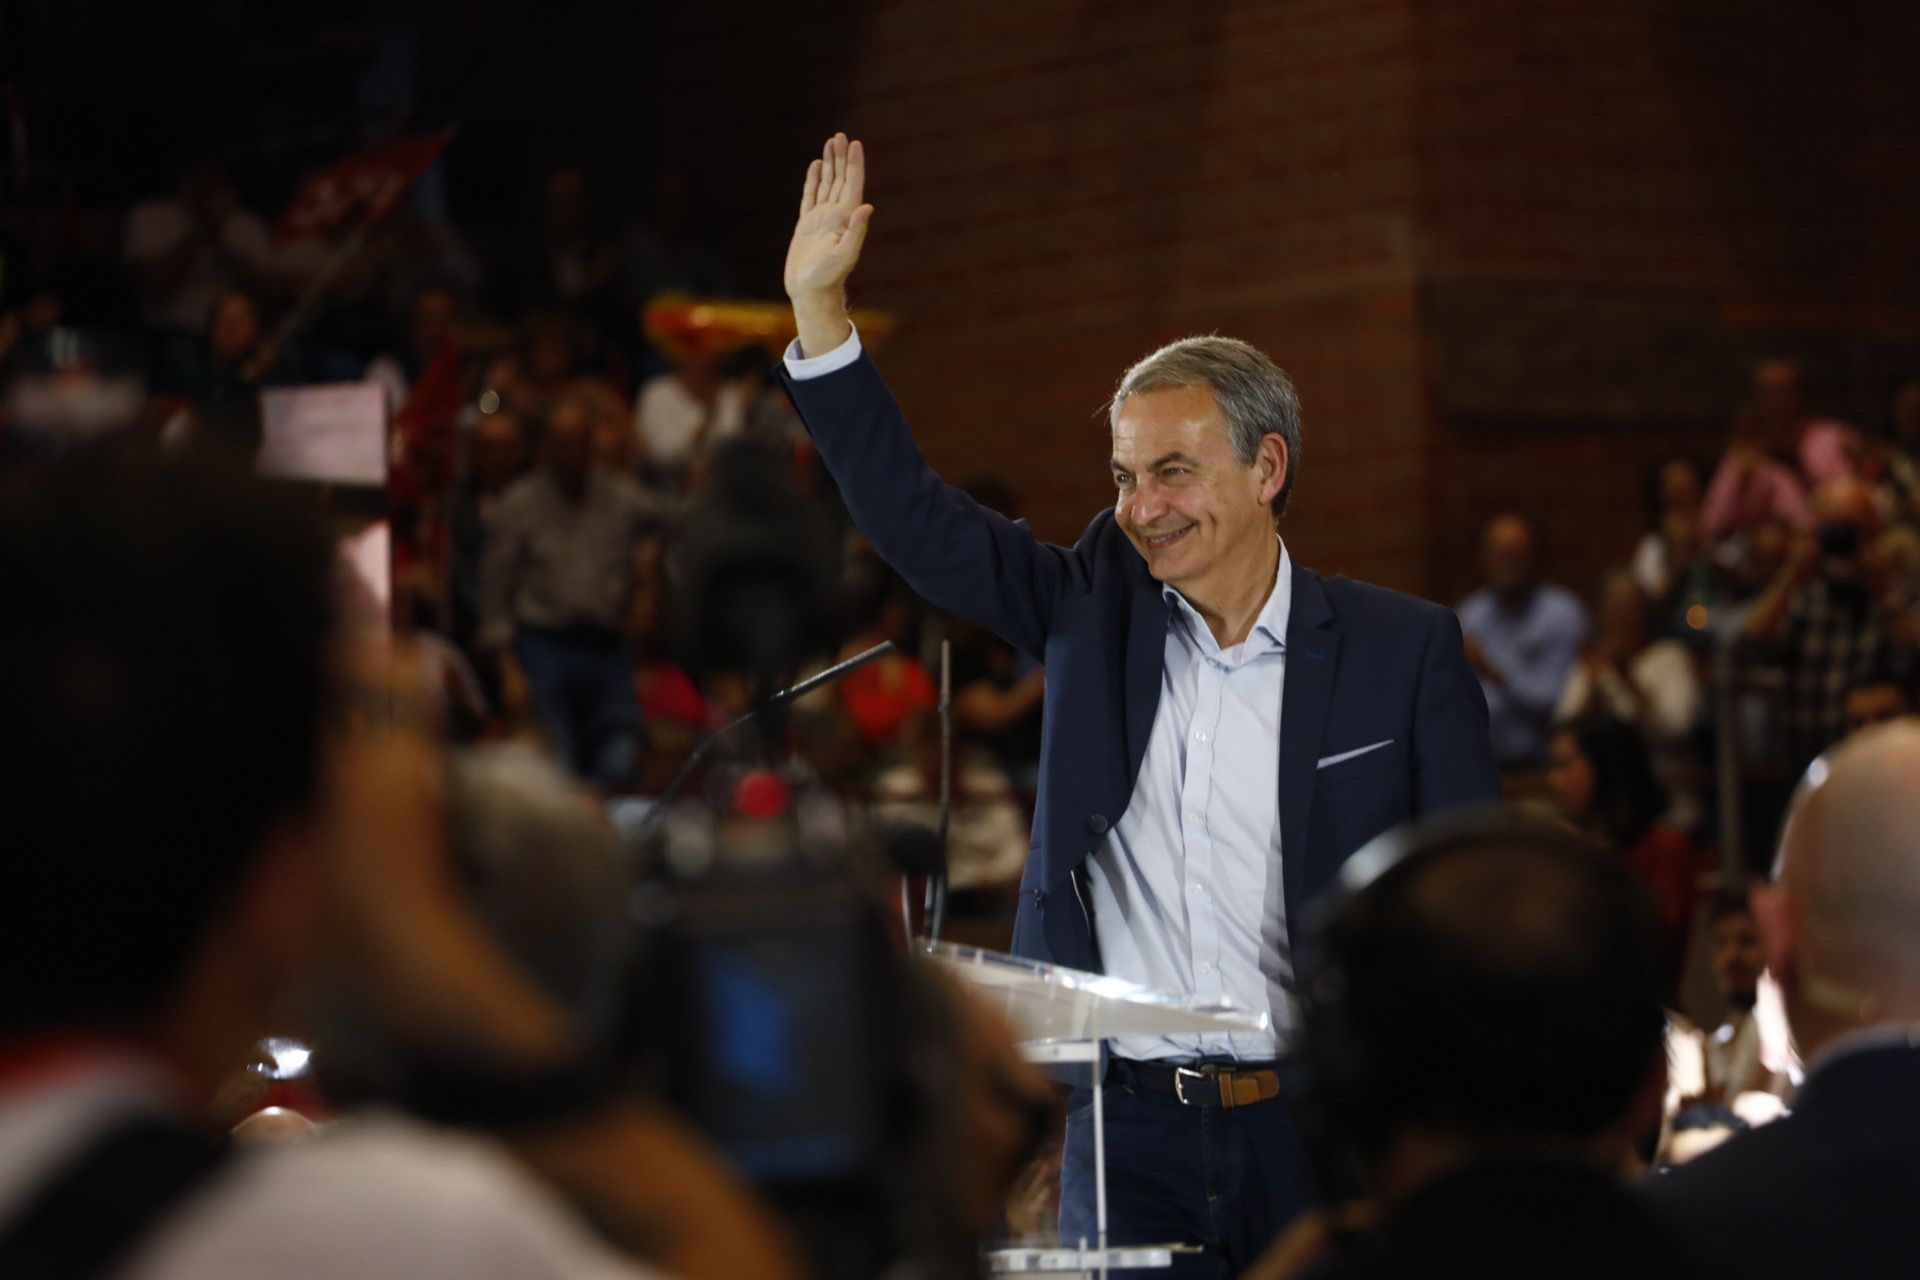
pixel 194 829
pixel 1827 619
pixel 1522 637
pixel 1874 700
pixel 494 454
pixel 1601 780
pixel 1824 449
pixel 1669 552
pixel 1646 681
pixel 1481 1056
pixel 432 319
pixel 987 839
pixel 548 879
pixel 1828 1189
pixel 224 380
pixel 558 574
pixel 678 414
pixel 1898 491
pixel 190 247
pixel 1751 485
pixel 1721 1079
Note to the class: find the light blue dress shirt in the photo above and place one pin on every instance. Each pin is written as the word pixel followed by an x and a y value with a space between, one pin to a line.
pixel 1186 892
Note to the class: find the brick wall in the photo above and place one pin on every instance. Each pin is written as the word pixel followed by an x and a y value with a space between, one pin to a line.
pixel 1511 250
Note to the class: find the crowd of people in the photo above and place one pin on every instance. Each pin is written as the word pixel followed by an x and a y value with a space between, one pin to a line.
pixel 610 541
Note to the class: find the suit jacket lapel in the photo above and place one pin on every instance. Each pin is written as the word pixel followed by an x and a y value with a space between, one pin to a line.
pixel 1313 647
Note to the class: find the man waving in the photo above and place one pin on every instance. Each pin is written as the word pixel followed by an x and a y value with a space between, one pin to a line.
pixel 1223 728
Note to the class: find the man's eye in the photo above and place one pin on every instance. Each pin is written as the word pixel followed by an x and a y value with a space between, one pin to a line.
pixel 1122 479
pixel 1174 471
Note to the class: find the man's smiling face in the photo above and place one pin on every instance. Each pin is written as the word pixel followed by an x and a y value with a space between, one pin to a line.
pixel 1188 505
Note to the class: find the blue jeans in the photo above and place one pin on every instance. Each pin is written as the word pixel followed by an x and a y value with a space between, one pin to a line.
pixel 582 688
pixel 1228 1180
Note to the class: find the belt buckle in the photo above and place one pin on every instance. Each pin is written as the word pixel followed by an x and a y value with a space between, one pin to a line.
pixel 1180 1075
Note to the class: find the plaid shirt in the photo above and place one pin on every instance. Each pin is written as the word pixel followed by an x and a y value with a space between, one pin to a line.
pixel 1835 635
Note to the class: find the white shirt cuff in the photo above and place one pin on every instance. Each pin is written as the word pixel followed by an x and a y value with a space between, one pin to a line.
pixel 801 367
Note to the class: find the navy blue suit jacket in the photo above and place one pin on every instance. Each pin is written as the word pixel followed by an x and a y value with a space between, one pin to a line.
pixel 1363 665
pixel 1830 1191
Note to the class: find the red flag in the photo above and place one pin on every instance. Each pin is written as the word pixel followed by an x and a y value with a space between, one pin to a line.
pixel 361 189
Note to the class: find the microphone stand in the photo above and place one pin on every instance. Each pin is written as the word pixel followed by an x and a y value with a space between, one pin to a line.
pixel 934 909
pixel 837 671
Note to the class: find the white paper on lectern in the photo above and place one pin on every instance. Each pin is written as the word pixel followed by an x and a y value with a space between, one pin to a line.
pixel 1048 1002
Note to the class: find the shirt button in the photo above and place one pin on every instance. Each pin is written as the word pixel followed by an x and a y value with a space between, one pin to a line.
pixel 1198 887
pixel 1216 664
pixel 1205 967
pixel 1200 735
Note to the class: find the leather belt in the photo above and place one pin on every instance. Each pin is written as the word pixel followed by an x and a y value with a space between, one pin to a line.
pixel 1202 1084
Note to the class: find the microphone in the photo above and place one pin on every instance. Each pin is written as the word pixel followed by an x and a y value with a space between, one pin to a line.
pixel 838 671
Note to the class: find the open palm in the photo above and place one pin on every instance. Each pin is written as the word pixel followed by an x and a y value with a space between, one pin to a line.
pixel 833 221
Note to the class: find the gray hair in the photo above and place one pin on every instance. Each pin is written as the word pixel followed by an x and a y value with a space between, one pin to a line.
pixel 1254 396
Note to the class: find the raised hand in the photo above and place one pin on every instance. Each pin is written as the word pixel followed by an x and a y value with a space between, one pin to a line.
pixel 826 243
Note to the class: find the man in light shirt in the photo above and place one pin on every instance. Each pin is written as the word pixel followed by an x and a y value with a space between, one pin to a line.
pixel 1222 727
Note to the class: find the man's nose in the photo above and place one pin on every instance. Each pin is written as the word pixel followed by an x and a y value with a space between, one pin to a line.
pixel 1147 503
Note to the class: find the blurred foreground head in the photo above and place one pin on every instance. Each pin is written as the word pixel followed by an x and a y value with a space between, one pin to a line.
pixel 544 874
pixel 1838 925
pixel 163 676
pixel 1491 988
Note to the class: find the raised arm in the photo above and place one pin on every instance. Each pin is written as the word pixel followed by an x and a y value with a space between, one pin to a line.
pixel 955 553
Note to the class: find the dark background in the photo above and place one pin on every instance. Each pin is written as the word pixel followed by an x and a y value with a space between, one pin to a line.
pixel 1511 250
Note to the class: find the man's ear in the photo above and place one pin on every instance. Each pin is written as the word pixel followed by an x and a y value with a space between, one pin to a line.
pixel 1271 463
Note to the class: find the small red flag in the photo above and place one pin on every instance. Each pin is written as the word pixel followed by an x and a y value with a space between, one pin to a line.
pixel 361 189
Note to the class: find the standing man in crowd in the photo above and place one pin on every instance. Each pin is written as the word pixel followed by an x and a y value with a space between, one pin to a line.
pixel 1222 727
pixel 1828 618
pixel 556 577
pixel 1828 1190
pixel 1523 636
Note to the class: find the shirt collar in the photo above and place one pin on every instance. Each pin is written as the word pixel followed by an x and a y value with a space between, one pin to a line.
pixel 1270 628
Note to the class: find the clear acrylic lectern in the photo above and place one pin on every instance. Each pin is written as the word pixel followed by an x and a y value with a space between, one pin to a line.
pixel 1060 1016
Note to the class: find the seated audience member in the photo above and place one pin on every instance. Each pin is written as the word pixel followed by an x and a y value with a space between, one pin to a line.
pixel 187 840
pixel 556 582
pixel 1600 779
pixel 1826 619
pixel 1876 700
pixel 1480 1046
pixel 1669 551
pixel 1828 1190
pixel 1750 486
pixel 1522 636
pixel 1720 1080
pixel 1648 683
